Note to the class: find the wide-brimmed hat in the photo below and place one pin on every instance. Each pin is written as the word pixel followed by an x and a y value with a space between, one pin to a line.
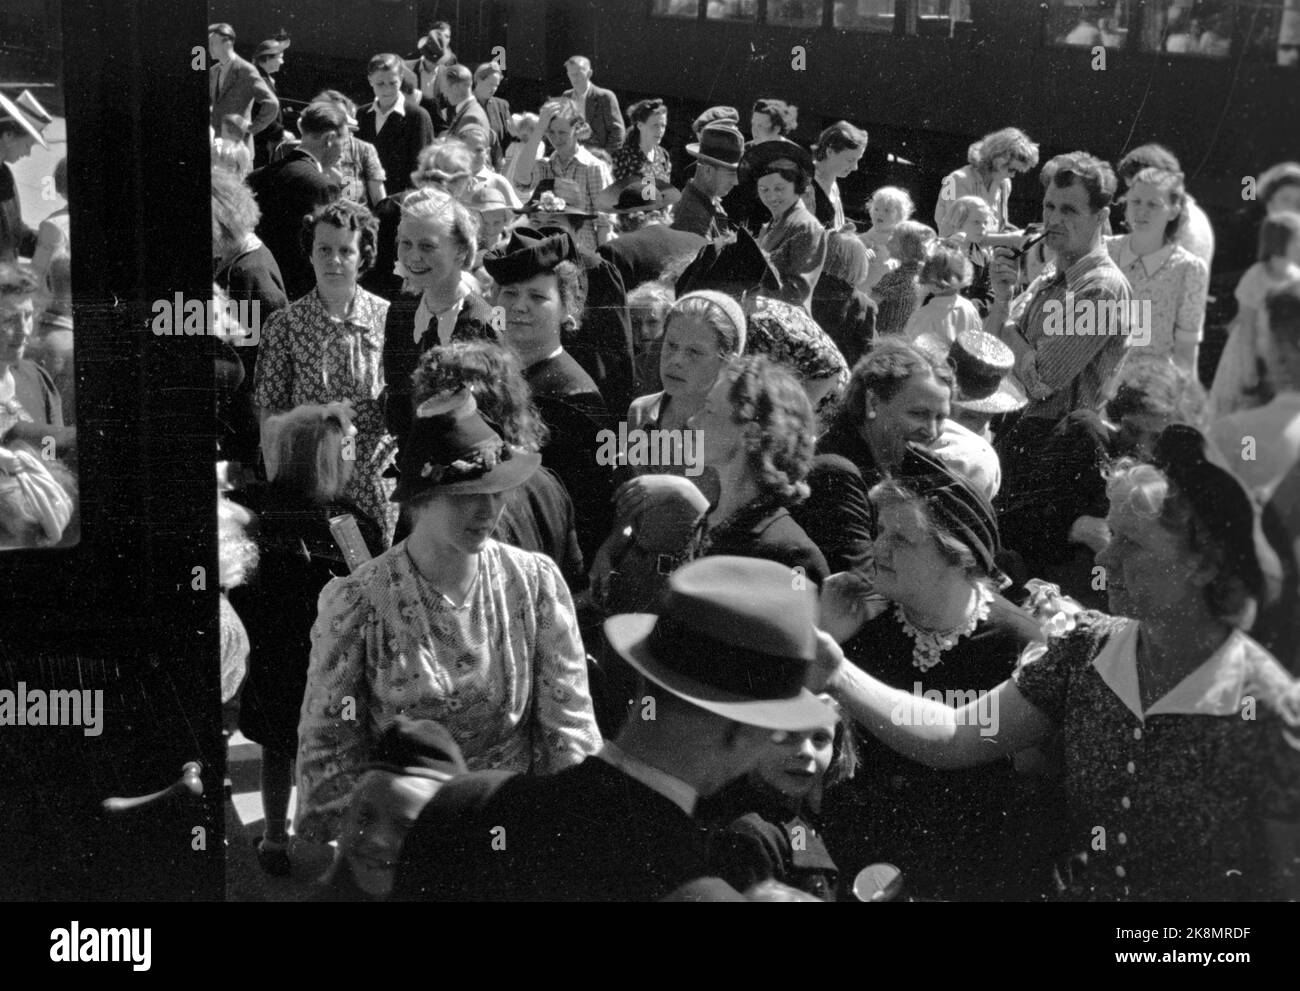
pixel 272 46
pixel 33 125
pixel 779 153
pixel 733 636
pixel 720 144
pixel 983 364
pixel 529 253
pixel 453 450
pixel 544 200
pixel 637 194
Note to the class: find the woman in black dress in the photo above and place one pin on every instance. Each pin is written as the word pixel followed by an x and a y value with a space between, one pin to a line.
pixel 308 460
pixel 947 634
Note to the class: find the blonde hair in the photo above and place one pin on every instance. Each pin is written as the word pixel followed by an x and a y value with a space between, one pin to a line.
pixel 964 206
pixel 1010 142
pixel 897 200
pixel 946 268
pixel 304 450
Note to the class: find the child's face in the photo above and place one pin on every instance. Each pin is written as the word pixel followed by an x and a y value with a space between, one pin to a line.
pixel 883 214
pixel 977 224
pixel 647 323
pixel 795 763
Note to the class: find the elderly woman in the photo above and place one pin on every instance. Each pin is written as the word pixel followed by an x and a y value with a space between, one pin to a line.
pixel 838 153
pixel 437 242
pixel 657 511
pixel 328 346
pixel 993 160
pixel 793 239
pixel 298 554
pixel 1181 769
pixel 1160 271
pixel 448 625
pixel 897 395
pixel 578 175
pixel 642 153
pixel 945 630
pixel 897 292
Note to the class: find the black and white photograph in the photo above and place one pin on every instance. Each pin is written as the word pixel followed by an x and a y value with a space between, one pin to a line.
pixel 652 450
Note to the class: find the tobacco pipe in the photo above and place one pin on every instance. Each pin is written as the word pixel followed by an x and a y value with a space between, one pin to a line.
pixel 189 781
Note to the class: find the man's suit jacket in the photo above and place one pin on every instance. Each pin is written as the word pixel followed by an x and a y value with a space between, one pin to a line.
pixel 287 190
pixel 471 113
pixel 642 255
pixel 498 115
pixel 399 143
pixel 267 141
pixel 587 833
pixel 242 88
pixel 606 120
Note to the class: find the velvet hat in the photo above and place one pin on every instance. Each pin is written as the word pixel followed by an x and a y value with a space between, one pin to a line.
pixel 778 153
pixel 958 506
pixel 730 266
pixel 528 253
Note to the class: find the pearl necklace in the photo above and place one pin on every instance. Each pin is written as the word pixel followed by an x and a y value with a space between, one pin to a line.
pixel 930 644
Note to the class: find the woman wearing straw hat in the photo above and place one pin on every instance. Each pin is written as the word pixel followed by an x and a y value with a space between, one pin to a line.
pixel 448 625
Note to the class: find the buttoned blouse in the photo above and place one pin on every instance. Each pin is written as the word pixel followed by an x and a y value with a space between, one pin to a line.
pixel 505 673
pixel 1175 282
pixel 1169 804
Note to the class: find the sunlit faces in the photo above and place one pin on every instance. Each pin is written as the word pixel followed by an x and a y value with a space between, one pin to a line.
pixel 428 255
pixel 491 223
pixel 478 149
pixel 16 315
pixel 1147 210
pixel 336 257
pixel 978 223
pixel 273 64
pixel 843 164
pixel 914 415
pixel 723 436
pixel 689 362
pixel 760 126
pixel 884 214
pixel 560 134
pixel 534 313
pixel 655 126
pixel 579 72
pixel 1149 569
pixel 907 561
pixel 793 763
pixel 1069 220
pixel 461 523
pixel 386 85
pixel 1285 198
pixel 776 193
pixel 216 45
pixel 647 324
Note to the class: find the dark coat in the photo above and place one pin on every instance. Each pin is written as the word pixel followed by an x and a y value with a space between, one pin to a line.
pixel 603 342
pixel 471 113
pixel 847 314
pixel 767 531
pixel 588 833
pixel 399 144
pixel 288 190
pixel 642 255
pixel 244 92
pixel 498 116
pixel 538 516
pixel 604 117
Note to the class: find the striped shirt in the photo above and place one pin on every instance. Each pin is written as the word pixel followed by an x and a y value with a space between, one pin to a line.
pixel 1077 345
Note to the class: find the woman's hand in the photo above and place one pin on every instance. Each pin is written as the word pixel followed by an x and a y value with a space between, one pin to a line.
pixel 635 496
pixel 825 668
pixel 1004 274
pixel 847 601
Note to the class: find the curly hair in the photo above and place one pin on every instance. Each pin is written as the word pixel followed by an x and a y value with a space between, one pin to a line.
pixel 770 403
pixel 914 239
pixel 1158 387
pixel 304 450
pixel 1010 142
pixel 638 114
pixel 494 376
pixel 235 213
pixel 446 161
pixel 784 117
pixel 346 216
pixel 1088 171
pixel 570 113
pixel 895 199
pixel 946 268
pixel 882 372
pixel 1147 156
pixel 840 136
pixel 796 177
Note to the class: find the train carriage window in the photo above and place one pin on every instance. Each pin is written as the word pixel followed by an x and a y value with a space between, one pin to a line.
pixel 1087 24
pixel 1188 27
pixel 795 13
pixel 731 10
pixel 943 18
pixel 864 15
pixel 675 8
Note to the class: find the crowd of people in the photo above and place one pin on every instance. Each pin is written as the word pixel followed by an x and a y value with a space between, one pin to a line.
pixel 924 498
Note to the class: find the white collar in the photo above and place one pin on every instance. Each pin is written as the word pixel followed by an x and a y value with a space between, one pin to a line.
pixel 1150 263
pixel 1216 688
pixel 446 319
pixel 674 789
pixel 398 108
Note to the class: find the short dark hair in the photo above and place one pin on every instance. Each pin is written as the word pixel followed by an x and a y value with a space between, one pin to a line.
pixel 1276 234
pixel 883 371
pixel 346 216
pixel 1095 176
pixel 322 118
pixel 1147 156
pixel 384 62
pixel 1273 179
pixel 840 136
pixel 796 176
pixel 784 116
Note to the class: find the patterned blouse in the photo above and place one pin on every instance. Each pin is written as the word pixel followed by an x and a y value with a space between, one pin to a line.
pixel 1169 804
pixel 306 356
pixel 1176 283
pixel 630 160
pixel 505 673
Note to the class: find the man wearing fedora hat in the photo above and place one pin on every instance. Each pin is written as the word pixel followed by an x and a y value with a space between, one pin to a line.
pixel 722 666
pixel 269 59
pixel 236 87
pixel 20 131
pixel 644 249
pixel 717 155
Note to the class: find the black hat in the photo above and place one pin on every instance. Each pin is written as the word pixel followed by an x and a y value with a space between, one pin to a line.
pixel 544 200
pixel 720 144
pixel 637 194
pixel 431 47
pixel 418 747
pixel 452 449
pixel 1221 504
pixel 734 636
pixel 272 46
pixel 779 152
pixel 732 267
pixel 223 29
pixel 528 253
pixel 957 505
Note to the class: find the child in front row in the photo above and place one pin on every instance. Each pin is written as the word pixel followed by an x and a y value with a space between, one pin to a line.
pixel 974 219
pixel 947 313
pixel 888 207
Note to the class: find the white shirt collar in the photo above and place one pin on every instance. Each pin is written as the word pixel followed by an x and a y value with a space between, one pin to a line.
pixel 674 789
pixel 1216 688
pixel 446 319
pixel 398 108
pixel 1150 263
